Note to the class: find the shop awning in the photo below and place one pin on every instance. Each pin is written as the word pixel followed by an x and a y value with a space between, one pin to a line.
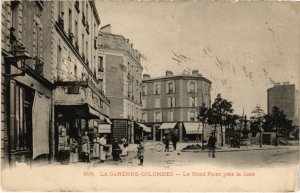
pixel 81 111
pixel 167 126
pixel 104 128
pixel 193 128
pixel 145 128
pixel 107 120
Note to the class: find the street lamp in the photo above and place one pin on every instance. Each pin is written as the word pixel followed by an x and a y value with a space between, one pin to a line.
pixel 19 55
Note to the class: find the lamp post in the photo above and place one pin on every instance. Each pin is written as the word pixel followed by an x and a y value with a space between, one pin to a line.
pixel 223 123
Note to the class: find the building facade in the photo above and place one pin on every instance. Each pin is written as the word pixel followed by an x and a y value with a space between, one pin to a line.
pixel 79 101
pixel 120 68
pixel 285 97
pixel 27 102
pixel 170 101
pixel 51 90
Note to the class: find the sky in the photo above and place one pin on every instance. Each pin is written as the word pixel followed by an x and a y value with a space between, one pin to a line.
pixel 243 48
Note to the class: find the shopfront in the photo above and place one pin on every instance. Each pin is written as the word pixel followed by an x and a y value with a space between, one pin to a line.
pixel 71 125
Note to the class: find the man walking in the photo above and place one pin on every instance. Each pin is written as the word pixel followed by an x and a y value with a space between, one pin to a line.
pixel 212 145
pixel 174 140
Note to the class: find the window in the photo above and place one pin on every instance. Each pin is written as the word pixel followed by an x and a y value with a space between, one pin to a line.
pixel 70 21
pixel 193 101
pixel 144 104
pixel 144 117
pixel 157 103
pixel 100 64
pixel 192 116
pixel 23 118
pixel 157 117
pixel 171 102
pixel 37 38
pixel 170 116
pixel 170 87
pixel 144 90
pixel 75 72
pixel 192 87
pixel 156 89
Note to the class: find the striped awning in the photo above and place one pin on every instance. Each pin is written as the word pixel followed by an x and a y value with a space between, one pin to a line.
pixel 145 128
pixel 193 128
pixel 167 126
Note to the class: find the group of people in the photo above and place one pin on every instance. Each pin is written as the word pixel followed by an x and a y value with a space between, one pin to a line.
pixel 100 147
pixel 166 140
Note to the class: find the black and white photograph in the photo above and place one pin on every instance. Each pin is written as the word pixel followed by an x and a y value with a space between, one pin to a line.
pixel 150 96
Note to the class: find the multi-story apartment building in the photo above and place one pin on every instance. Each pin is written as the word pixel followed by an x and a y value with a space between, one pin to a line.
pixel 79 99
pixel 121 69
pixel 51 93
pixel 26 102
pixel 285 97
pixel 173 101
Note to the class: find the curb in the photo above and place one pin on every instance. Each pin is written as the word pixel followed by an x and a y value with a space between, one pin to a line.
pixel 233 150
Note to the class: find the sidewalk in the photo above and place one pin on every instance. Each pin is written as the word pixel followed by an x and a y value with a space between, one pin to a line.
pixel 244 148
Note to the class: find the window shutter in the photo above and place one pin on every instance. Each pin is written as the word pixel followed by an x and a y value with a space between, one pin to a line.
pixel 167 88
pixel 188 86
pixel 195 86
pixel 196 102
pixel 174 102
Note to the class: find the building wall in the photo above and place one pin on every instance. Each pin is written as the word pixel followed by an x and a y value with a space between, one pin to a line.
pixel 5 25
pixel 123 75
pixel 182 97
pixel 284 97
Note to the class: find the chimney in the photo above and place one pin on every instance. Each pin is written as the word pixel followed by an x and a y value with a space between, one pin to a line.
pixel 146 76
pixel 286 83
pixel 169 73
pixel 277 84
pixel 195 73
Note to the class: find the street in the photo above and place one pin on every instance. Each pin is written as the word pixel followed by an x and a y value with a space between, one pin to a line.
pixel 249 158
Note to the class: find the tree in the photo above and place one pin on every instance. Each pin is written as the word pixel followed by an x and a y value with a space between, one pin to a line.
pixel 220 109
pixel 203 115
pixel 278 122
pixel 256 121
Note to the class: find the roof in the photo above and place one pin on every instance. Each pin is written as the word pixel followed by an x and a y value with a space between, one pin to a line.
pixel 180 76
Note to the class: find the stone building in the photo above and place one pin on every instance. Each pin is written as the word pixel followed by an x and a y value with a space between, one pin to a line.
pixel 26 94
pixel 172 102
pixel 51 90
pixel 285 97
pixel 121 69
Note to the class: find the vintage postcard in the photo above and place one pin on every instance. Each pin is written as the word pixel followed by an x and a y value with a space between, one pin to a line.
pixel 150 96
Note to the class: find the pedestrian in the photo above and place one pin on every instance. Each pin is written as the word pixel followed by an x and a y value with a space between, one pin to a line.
pixel 140 152
pixel 103 148
pixel 116 150
pixel 124 142
pixel 96 147
pixel 174 140
pixel 166 140
pixel 211 145
pixel 85 147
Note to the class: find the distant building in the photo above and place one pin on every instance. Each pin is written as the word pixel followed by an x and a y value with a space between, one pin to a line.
pixel 119 66
pixel 285 97
pixel 173 101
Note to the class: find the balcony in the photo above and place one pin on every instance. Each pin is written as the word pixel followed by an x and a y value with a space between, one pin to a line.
pixel 39 66
pixel 71 36
pixel 87 27
pixel 83 19
pixel 60 23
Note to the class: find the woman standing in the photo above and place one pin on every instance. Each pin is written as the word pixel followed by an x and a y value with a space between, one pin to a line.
pixel 102 150
pixel 85 147
pixel 96 148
